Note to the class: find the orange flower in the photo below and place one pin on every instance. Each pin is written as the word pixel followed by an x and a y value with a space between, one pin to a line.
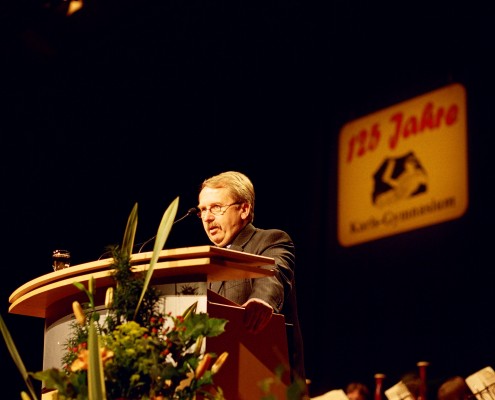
pixel 79 313
pixel 203 365
pixel 185 382
pixel 219 362
pixel 83 357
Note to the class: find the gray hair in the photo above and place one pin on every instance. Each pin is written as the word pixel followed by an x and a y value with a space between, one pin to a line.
pixel 239 185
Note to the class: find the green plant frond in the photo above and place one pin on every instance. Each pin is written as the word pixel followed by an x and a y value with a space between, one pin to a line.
pixel 89 291
pixel 164 229
pixel 130 231
pixel 96 381
pixel 92 291
pixel 16 357
pixel 190 310
pixel 161 237
pixel 80 286
pixel 91 285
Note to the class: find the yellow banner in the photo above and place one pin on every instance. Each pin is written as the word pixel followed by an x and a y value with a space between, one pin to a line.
pixel 403 167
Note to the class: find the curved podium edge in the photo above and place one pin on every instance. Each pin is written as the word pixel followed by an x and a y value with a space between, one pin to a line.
pixel 139 259
pixel 38 301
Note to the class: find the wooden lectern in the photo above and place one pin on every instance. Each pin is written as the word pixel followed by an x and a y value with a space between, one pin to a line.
pixel 182 276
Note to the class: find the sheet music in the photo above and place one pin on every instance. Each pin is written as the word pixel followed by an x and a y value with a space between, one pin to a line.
pixel 399 392
pixel 482 383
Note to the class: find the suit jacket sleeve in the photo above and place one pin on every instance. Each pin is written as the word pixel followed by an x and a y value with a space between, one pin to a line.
pixel 278 245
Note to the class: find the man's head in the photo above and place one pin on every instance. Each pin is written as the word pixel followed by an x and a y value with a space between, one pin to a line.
pixel 357 391
pixel 226 205
pixel 454 388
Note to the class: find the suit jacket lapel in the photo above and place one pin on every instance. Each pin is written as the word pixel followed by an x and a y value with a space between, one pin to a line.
pixel 243 237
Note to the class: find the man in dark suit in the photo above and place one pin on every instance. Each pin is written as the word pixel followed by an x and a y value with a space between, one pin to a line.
pixel 226 208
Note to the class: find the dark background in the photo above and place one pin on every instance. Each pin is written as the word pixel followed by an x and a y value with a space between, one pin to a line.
pixel 130 102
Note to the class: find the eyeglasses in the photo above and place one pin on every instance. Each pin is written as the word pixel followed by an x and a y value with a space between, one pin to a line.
pixel 216 209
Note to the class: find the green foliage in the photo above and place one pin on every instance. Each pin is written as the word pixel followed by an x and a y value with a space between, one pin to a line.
pixel 161 237
pixel 143 362
pixel 128 288
pixel 156 360
pixel 69 386
pixel 130 232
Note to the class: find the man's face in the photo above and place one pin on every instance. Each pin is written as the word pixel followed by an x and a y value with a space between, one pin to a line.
pixel 223 227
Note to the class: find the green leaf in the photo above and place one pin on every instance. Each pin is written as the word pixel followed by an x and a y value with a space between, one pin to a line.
pixel 130 232
pixel 16 357
pixel 80 286
pixel 161 237
pixel 190 310
pixel 92 291
pixel 53 378
pixel 89 292
pixel 96 381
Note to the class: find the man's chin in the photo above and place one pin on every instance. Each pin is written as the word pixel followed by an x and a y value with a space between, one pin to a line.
pixel 216 241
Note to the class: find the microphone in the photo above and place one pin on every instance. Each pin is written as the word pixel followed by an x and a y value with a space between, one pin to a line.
pixel 192 210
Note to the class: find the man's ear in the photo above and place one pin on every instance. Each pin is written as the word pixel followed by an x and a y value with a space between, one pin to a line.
pixel 246 208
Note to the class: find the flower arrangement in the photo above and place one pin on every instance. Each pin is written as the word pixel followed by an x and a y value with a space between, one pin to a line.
pixel 159 358
pixel 136 351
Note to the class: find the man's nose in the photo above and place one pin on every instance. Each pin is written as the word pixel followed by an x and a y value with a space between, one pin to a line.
pixel 207 215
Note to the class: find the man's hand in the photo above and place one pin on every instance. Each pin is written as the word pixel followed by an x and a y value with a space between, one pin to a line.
pixel 257 315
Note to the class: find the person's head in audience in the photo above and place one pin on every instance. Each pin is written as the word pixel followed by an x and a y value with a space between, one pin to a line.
pixel 357 391
pixel 454 388
pixel 413 383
